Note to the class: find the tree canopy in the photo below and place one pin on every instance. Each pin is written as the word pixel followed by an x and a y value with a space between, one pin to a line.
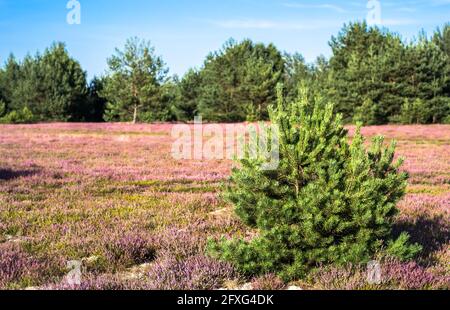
pixel 51 86
pixel 238 81
pixel 373 75
pixel 133 85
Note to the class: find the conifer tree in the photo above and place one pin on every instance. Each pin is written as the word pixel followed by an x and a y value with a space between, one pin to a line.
pixel 133 87
pixel 189 90
pixel 329 201
pixel 51 86
pixel 429 78
pixel 296 72
pixel 63 85
pixel 238 80
pixel 9 79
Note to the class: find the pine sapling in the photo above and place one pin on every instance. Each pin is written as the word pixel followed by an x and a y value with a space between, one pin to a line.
pixel 330 201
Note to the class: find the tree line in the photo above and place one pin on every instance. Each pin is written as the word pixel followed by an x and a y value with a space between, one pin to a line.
pixel 373 76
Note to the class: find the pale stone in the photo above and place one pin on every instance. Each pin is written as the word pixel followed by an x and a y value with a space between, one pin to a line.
pixel 246 287
pixel 91 259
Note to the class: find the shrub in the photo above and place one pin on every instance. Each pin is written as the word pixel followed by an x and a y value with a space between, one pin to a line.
pixel 127 249
pixel 179 244
pixel 366 114
pixel 411 276
pixel 446 120
pixel 25 116
pixel 328 202
pixel 18 269
pixel 413 113
pixel 268 282
pixel 180 264
pixel 348 277
pixel 424 112
pixel 394 275
pixel 193 273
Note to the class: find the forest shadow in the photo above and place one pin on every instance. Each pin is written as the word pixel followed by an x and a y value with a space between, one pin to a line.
pixel 432 233
pixel 9 174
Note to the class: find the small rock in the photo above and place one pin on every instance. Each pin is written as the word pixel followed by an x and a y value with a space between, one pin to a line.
pixel 90 260
pixel 136 272
pixel 15 239
pixel 225 212
pixel 246 287
pixel 294 288
pixel 230 285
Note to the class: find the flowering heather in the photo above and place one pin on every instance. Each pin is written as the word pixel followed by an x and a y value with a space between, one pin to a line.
pixel 412 276
pixel 394 275
pixel 128 250
pixel 17 268
pixel 269 282
pixel 193 273
pixel 114 192
pixel 179 244
pixel 339 278
pixel 426 204
pixel 109 282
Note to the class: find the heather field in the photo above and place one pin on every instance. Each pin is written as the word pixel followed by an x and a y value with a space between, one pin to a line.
pixel 112 196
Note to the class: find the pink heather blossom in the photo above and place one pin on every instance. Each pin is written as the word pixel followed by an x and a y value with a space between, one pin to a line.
pixel 113 191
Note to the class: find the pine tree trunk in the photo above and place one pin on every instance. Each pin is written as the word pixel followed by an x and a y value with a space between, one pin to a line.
pixel 135 114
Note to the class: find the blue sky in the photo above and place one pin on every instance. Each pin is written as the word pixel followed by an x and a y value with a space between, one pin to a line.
pixel 185 31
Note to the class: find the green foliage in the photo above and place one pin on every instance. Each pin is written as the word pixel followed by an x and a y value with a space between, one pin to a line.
pixel 93 109
pixel 133 86
pixel 241 77
pixel 442 39
pixel 429 78
pixel 52 86
pixel 367 113
pixel 373 75
pixel 414 113
pixel 187 96
pixel 328 202
pixel 63 85
pixel 9 77
pixel 401 249
pixel 424 112
pixel 366 69
pixel 2 108
pixel 375 66
pixel 296 72
pixel 24 116
pixel 446 120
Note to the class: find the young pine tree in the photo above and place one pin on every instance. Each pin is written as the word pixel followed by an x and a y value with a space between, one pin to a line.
pixel 328 202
